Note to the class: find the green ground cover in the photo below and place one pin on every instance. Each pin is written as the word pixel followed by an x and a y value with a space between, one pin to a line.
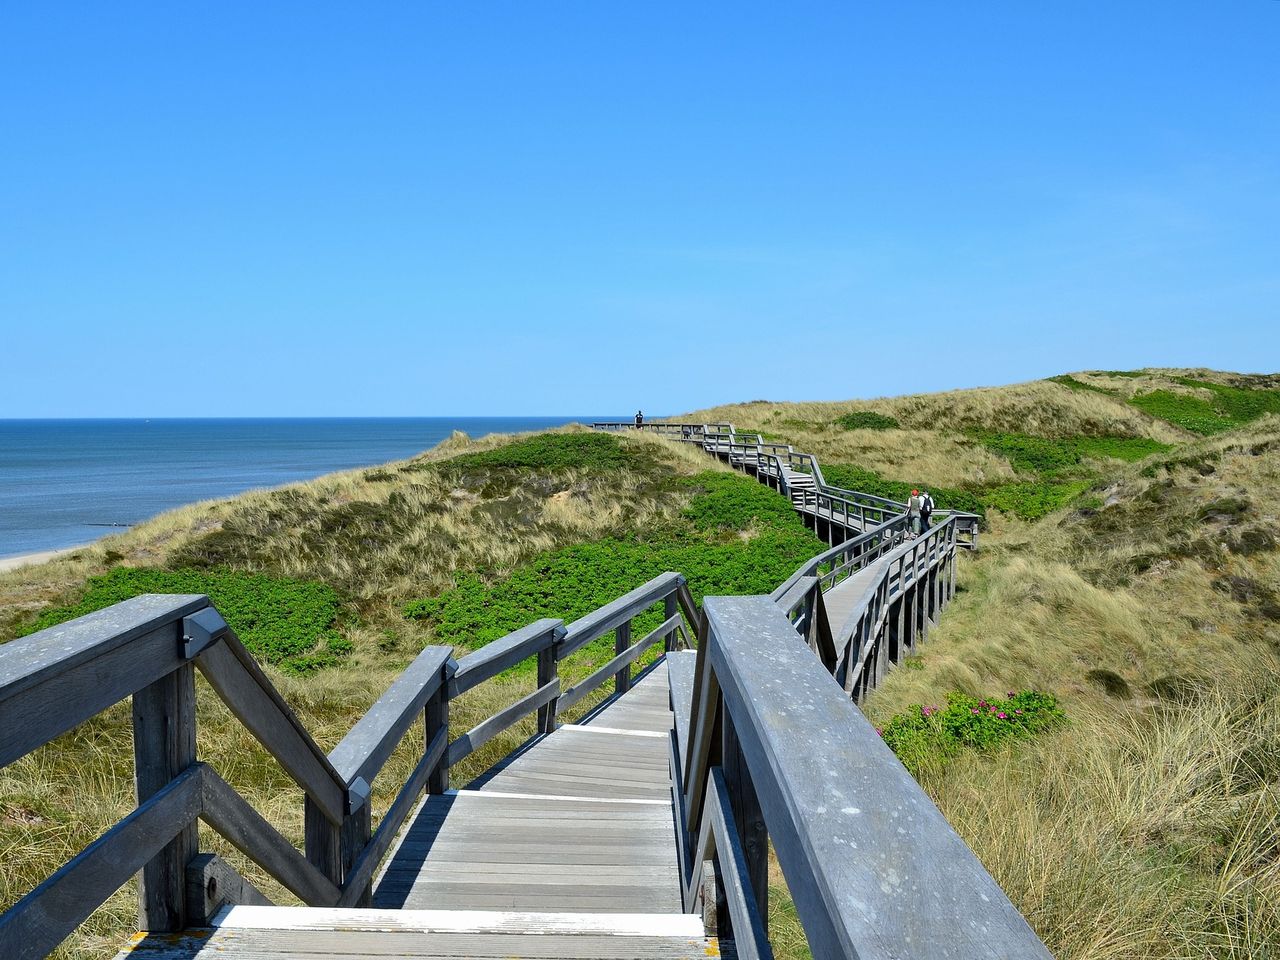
pixel 928 737
pixel 548 451
pixel 1048 454
pixel 867 420
pixel 291 623
pixel 736 537
pixel 851 477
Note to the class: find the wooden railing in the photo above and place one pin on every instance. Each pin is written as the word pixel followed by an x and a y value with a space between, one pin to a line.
pixel 149 648
pixel 842 510
pixel 872 866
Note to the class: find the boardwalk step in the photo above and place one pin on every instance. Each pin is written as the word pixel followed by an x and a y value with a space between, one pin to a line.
pixel 293 933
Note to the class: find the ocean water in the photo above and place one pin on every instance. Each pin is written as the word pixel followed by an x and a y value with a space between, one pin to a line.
pixel 66 482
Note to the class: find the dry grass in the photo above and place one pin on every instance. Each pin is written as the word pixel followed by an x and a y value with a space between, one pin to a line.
pixel 61 797
pixel 1150 827
pixel 1040 407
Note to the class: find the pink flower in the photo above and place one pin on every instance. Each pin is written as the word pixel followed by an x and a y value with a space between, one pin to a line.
pixel 1003 716
pixel 1017 711
pixel 975 710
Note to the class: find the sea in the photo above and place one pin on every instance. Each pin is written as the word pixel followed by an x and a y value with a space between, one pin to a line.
pixel 67 482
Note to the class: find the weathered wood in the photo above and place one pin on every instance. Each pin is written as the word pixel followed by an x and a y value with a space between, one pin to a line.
pixel 548 672
pixel 624 659
pixel 599 622
pixel 236 676
pixel 483 732
pixel 356 889
pixel 31 660
pixel 680 669
pixel 670 611
pixel 164 745
pixel 232 816
pixel 364 750
pixel 435 720
pixel 621 662
pixel 45 703
pixel 744 879
pixel 212 884
pixel 921 892
pixel 504 653
pixel 732 784
pixel 38 922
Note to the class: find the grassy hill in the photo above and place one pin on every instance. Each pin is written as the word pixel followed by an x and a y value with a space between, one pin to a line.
pixel 1129 569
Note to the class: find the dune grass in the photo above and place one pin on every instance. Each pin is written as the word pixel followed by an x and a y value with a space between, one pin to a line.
pixel 1146 603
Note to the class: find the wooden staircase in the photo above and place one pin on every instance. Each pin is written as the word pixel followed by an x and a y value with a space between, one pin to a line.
pixel 312 933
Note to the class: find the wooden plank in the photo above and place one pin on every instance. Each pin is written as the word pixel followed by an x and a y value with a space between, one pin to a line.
pixel 680 667
pixel 236 676
pixel 622 672
pixel 32 660
pixel 230 814
pixel 33 712
pixel 371 741
pixel 212 885
pixel 624 659
pixel 164 745
pixel 848 791
pixel 44 917
pixel 599 622
pixel 361 873
pixel 483 732
pixel 504 653
pixel 745 895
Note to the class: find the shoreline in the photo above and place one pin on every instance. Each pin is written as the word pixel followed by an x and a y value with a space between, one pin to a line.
pixel 36 557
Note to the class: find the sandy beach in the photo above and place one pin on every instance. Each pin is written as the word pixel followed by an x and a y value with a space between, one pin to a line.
pixel 26 559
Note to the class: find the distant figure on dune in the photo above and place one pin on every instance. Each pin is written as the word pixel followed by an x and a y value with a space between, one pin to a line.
pixel 639 419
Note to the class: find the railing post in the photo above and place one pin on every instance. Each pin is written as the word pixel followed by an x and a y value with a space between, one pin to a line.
pixel 548 670
pixel 164 745
pixel 748 818
pixel 670 608
pixel 435 717
pixel 622 640
pixel 323 842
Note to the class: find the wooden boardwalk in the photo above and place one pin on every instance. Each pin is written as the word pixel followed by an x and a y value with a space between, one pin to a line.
pixel 843 599
pixel 590 841
pixel 581 820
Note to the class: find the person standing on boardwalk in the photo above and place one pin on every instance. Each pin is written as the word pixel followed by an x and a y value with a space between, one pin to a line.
pixel 926 511
pixel 639 419
pixel 915 506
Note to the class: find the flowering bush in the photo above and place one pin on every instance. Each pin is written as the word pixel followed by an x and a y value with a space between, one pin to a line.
pixel 931 735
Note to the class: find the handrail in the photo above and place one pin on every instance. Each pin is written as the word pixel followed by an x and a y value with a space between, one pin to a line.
pixel 872 866
pixel 739 772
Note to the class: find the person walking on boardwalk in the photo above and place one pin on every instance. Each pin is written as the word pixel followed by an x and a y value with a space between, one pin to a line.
pixel 926 511
pixel 915 506
pixel 639 419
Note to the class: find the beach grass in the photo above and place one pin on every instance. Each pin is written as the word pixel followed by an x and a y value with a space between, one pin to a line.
pixel 1146 603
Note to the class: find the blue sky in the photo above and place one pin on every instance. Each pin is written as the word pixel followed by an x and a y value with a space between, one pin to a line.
pixel 550 207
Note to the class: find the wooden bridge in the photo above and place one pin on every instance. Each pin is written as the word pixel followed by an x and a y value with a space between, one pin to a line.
pixel 642 830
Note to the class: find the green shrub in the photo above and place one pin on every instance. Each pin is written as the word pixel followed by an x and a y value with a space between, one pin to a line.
pixel 549 451
pixel 854 478
pixel 929 737
pixel 1033 499
pixel 1186 411
pixel 867 420
pixel 1238 403
pixel 704 544
pixel 287 622
pixel 1048 454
